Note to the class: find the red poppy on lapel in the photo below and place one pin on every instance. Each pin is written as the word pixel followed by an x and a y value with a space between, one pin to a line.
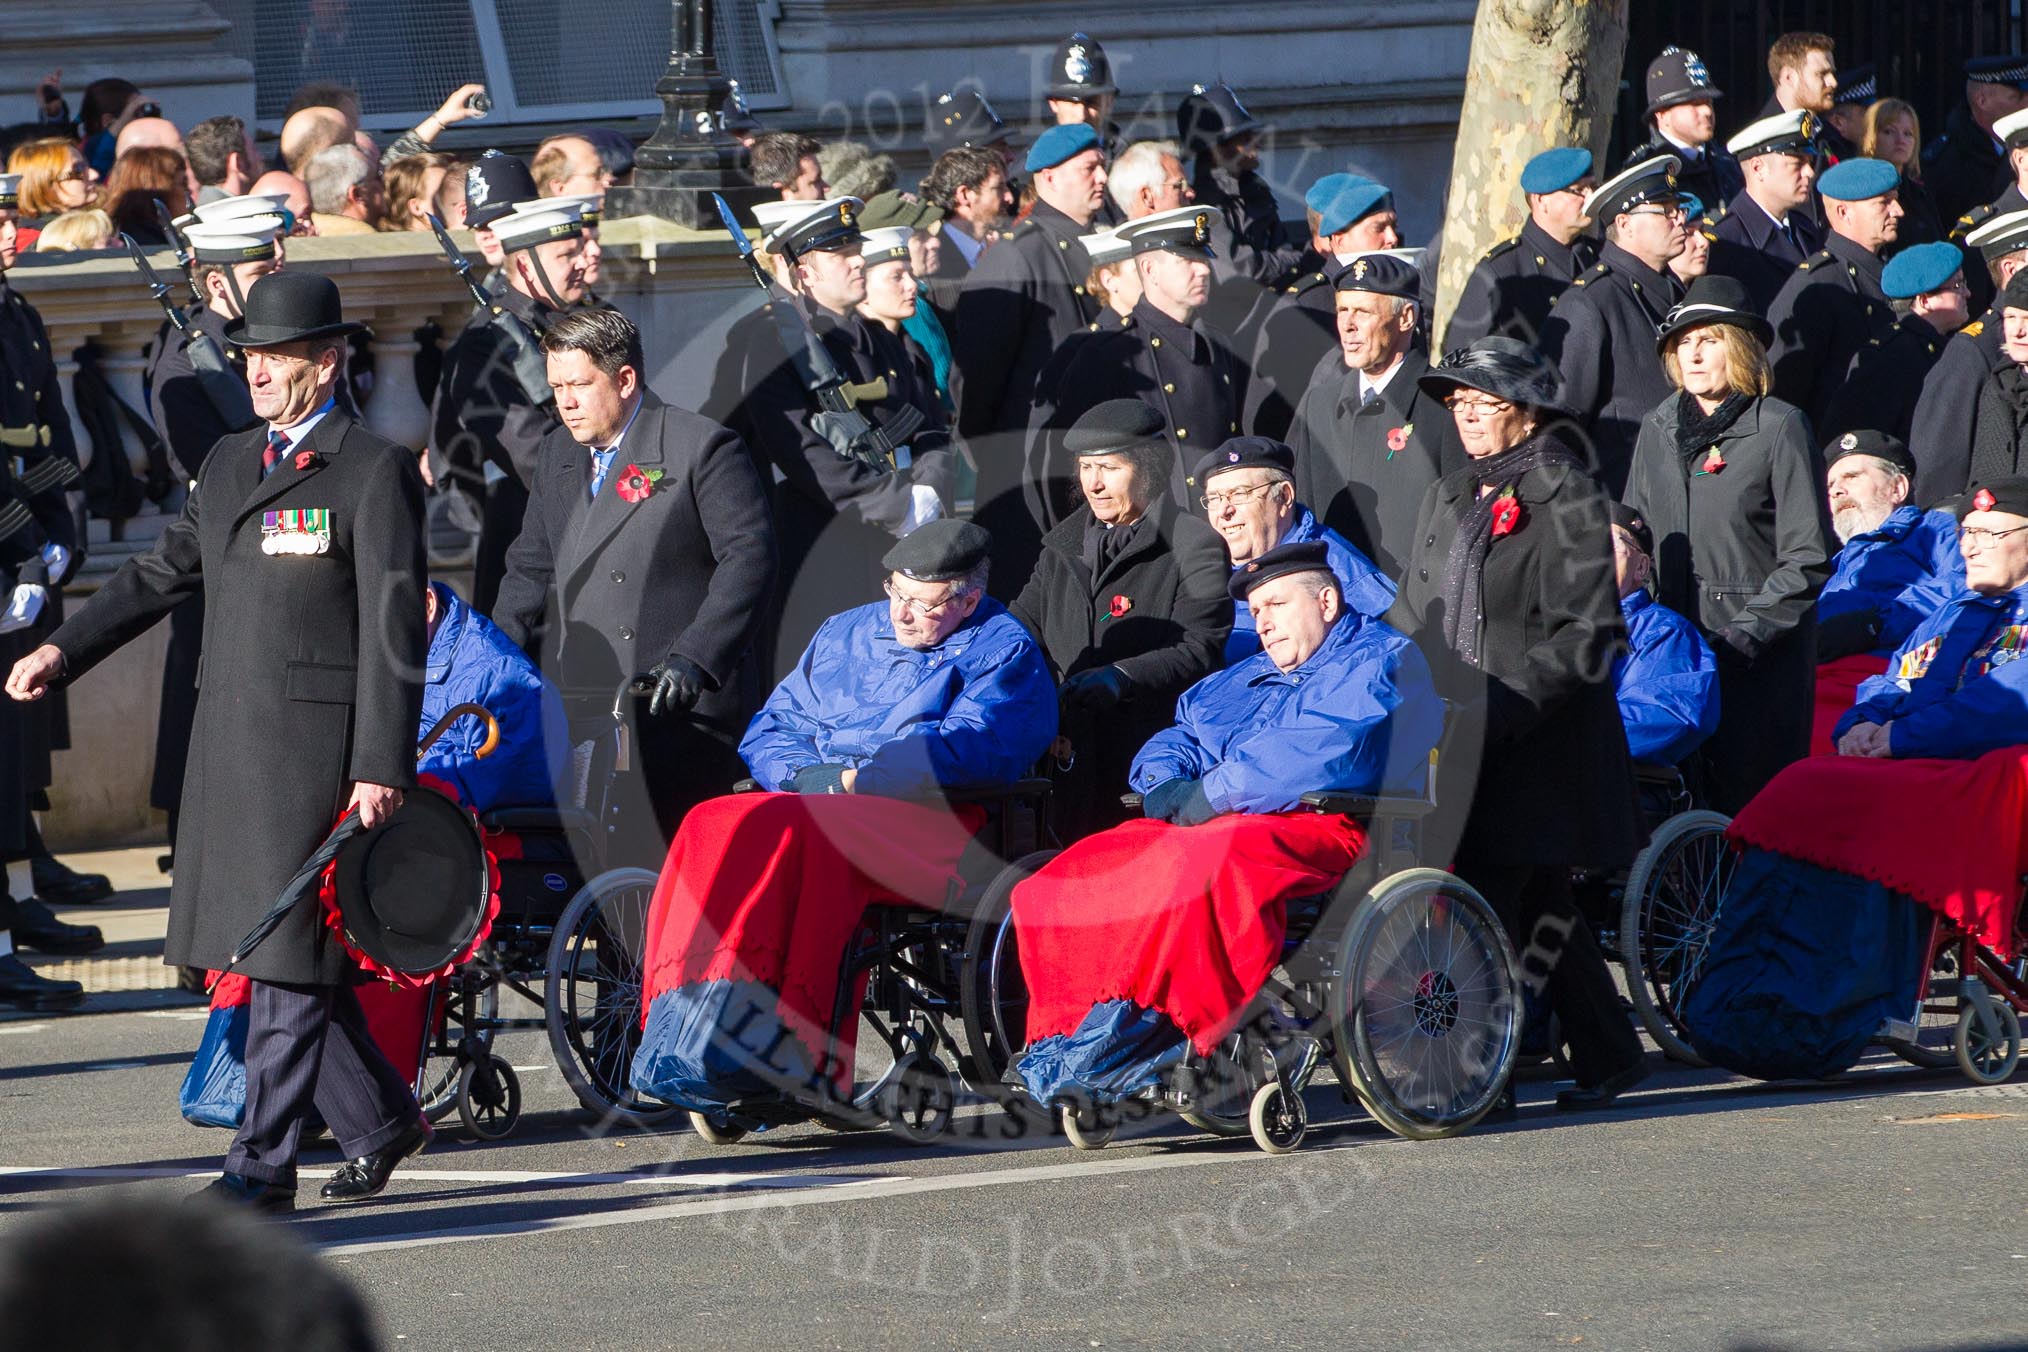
pixel 307 459
pixel 1120 606
pixel 1714 462
pixel 636 483
pixel 1506 514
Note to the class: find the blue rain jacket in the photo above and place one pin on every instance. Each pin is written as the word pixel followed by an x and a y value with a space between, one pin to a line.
pixel 1903 572
pixel 471 661
pixel 1360 716
pixel 1367 590
pixel 978 709
pixel 1667 682
pixel 1955 688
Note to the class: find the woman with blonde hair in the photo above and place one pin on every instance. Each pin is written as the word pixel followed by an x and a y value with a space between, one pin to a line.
pixel 86 228
pixel 412 183
pixel 1732 484
pixel 54 179
pixel 1894 133
pixel 141 177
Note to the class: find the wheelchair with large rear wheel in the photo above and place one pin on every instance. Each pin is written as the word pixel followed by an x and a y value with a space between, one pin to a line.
pixel 1401 977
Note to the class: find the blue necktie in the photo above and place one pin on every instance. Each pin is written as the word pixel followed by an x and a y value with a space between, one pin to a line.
pixel 601 462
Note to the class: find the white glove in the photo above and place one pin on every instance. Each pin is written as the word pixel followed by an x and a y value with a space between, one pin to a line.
pixel 924 507
pixel 58 559
pixel 23 607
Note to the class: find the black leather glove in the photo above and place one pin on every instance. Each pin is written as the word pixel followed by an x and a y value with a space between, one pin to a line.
pixel 1736 648
pixel 1178 800
pixel 679 683
pixel 1855 631
pixel 819 779
pixel 1096 691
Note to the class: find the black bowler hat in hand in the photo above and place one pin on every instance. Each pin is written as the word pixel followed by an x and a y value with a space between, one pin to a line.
pixel 290 307
pixel 415 894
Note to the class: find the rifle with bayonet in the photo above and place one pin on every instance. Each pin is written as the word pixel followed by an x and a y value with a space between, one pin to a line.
pixel 531 369
pixel 838 419
pixel 224 387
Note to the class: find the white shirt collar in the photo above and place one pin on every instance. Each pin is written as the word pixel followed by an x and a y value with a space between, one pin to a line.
pixel 297 433
pixel 1378 384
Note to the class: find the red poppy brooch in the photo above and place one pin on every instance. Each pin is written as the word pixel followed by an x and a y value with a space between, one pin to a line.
pixel 1120 606
pixel 1397 439
pixel 1714 462
pixel 1982 501
pixel 1506 513
pixel 636 483
pixel 305 459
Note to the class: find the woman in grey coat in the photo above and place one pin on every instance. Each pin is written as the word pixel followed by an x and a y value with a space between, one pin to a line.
pixel 1732 483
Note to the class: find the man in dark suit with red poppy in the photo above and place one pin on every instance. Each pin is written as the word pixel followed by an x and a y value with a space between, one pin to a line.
pixel 648 548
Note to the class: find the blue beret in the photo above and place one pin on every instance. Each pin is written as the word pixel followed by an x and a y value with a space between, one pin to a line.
pixel 1920 269
pixel 1058 144
pixel 1245 453
pixel 1857 180
pixel 1324 189
pixel 1555 170
pixel 1356 199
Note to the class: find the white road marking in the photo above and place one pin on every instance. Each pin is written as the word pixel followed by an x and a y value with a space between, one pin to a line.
pixel 501 1177
pixel 868 1188
pixel 191 1015
pixel 11 1028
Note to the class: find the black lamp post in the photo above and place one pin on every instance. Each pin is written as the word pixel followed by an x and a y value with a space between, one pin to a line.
pixel 690 156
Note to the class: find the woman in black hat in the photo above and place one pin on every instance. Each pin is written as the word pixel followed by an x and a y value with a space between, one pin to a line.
pixel 1732 484
pixel 1510 592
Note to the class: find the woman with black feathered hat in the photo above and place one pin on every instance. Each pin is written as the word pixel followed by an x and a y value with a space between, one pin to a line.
pixel 1510 591
pixel 1732 484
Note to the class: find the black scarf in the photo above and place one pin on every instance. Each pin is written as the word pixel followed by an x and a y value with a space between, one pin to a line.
pixel 1695 429
pixel 2000 427
pixel 1103 544
pixel 1466 565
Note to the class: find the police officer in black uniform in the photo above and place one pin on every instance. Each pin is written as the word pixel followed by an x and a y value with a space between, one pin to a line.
pixel 1768 231
pixel 1683 123
pixel 1601 332
pixel 1025 297
pixel 1369 440
pixel 196 383
pixel 38 544
pixel 1081 90
pixel 494 405
pixel 1513 287
pixel 1297 328
pixel 1220 139
pixel 1925 285
pixel 836 515
pixel 1940 436
pixel 1826 313
pixel 1966 166
pixel 1164 355
pixel 963 117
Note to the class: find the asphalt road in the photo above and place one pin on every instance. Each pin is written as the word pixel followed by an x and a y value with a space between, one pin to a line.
pixel 1885 1211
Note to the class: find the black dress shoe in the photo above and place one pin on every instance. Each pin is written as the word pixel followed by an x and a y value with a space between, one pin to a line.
pixel 36 927
pixel 1602 1094
pixel 364 1177
pixel 65 886
pixel 24 988
pixel 272 1199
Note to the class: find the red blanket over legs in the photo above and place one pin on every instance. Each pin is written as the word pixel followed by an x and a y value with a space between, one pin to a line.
pixel 769 888
pixel 1838 690
pixel 1187 921
pixel 1949 834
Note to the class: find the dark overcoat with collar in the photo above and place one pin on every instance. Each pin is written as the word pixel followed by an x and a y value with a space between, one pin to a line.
pixel 311 677
pixel 1826 315
pixel 1536 768
pixel 604 588
pixel 1514 286
pixel 1170 634
pixel 1747 548
pixel 1601 332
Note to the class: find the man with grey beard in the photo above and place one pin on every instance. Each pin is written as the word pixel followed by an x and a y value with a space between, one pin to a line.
pixel 1897 563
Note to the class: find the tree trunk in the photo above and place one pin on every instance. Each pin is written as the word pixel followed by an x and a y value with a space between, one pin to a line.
pixel 1543 73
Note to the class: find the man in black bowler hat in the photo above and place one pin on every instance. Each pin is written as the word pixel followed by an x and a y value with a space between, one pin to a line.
pixel 305 533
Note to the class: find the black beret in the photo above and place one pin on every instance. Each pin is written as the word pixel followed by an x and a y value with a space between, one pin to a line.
pixel 1634 524
pixel 1383 274
pixel 1307 556
pixel 1115 425
pixel 1245 453
pixel 2009 495
pixel 1876 444
pixel 939 551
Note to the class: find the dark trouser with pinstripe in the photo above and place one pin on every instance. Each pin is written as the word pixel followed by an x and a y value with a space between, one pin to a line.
pixel 308 1046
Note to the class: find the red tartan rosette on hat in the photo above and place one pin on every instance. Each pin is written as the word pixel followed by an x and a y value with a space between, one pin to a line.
pixel 414 898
